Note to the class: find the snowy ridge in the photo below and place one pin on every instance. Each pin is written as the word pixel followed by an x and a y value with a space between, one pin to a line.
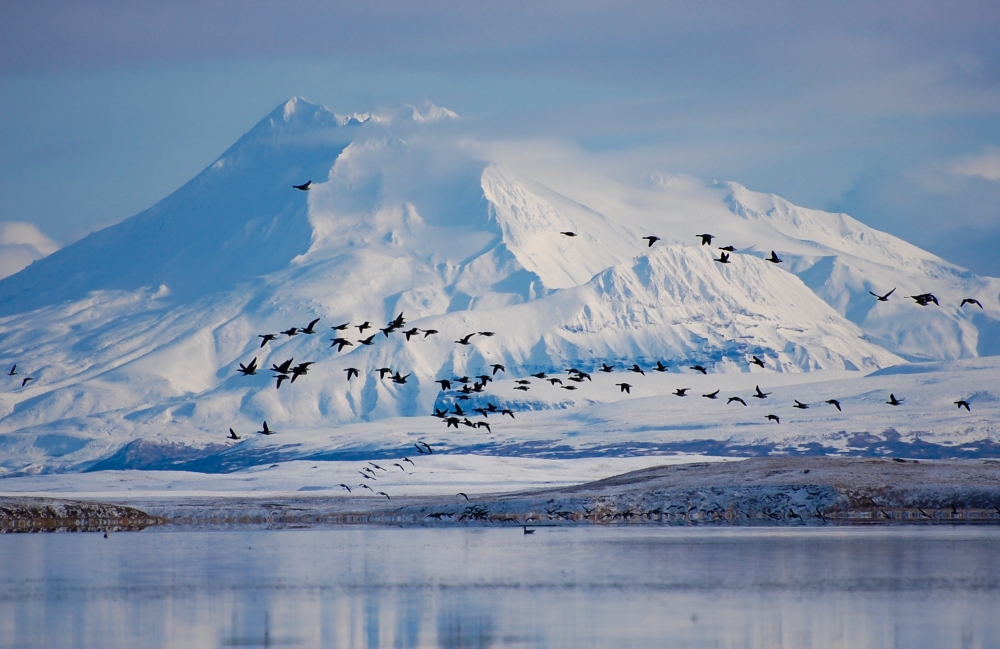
pixel 135 333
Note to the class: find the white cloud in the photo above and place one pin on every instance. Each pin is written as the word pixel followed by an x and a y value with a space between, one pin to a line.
pixel 20 244
pixel 986 165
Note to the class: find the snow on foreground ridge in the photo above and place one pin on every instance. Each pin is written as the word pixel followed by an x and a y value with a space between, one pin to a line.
pixel 135 333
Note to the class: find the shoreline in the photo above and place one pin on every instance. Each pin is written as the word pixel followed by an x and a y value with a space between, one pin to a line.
pixel 757 492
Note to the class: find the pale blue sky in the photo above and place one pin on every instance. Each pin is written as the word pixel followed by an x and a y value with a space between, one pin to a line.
pixel 889 111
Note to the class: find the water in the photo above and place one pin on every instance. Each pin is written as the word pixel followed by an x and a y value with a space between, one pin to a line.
pixel 560 587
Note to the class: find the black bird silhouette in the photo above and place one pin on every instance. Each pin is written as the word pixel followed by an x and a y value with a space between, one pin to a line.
pixel 429 332
pixel 406 459
pixel 737 399
pixel 800 405
pixel 681 392
pixel 341 327
pixel 962 403
pixel 554 381
pixel 352 372
pixel 458 410
pixel 382 493
pixel 757 361
pixel 462 495
pixel 382 371
pixel 364 486
pixel 882 298
pixel 249 369
pixel 266 338
pixel 281 377
pixel 410 332
pixel 378 467
pixel 774 258
pixel 483 424
pixel 568 233
pixel 759 394
pixel 728 248
pixel 387 331
pixel 465 340
pixel 491 408
pixel 706 239
pixel 497 367
pixel 522 388
pixel 400 380
pixel 484 378
pixel 304 186
pixel 309 328
pixel 607 368
pixel 568 387
pixel 539 375
pixel 834 402
pixel 487 333
pixel 463 379
pixel 635 368
pixel 283 368
pixel 451 421
pixel 774 418
pixel 523 381
pixel 398 321
pixel 893 401
pixel 419 450
pixel 699 368
pixel 506 411
pixel 428 447
pixel 440 414
pixel 445 384
pixel 651 239
pixel 925 298
pixel 364 325
pixel 723 258
pixel 265 430
pixel 13 371
pixel 482 411
pixel 369 340
pixel 345 487
pixel 232 434
pixel 970 300
pixel 711 395
pixel 291 332
pixel 299 370
pixel 625 387
pixel 660 367
pixel 340 343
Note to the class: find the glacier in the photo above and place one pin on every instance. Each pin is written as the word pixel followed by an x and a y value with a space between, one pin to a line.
pixel 133 335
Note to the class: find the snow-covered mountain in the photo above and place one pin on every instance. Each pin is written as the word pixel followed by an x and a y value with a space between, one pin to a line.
pixel 136 331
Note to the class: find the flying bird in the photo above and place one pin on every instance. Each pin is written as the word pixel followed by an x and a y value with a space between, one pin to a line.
pixel 712 395
pixel 304 186
pixel 925 298
pixel 465 340
pixel 774 418
pixel 352 372
pixel 834 402
pixel 723 258
pixel 410 332
pixel 774 258
pixel 13 371
pixel 370 340
pixel 281 377
pixel 523 388
pixel 249 369
pixel 462 495
pixel 569 234
pixel 962 403
pixel 625 387
pixel 283 368
pixel 341 327
pixel 428 447
pixel 429 332
pixel 651 239
pixel 759 394
pixel 266 338
pixel 497 367
pixel 399 380
pixel 382 493
pixel 568 387
pixel 487 333
pixel 737 399
pixel 340 343
pixel 882 298
pixel 660 367
pixel 523 381
pixel 757 361
pixel 382 371
pixel 607 368
pixel 294 331
pixel 635 368
pixel 553 381
pixel 706 239
pixel 406 459
pixel 420 450
pixel 970 300
pixel 364 325
pixel 681 392
pixel 445 384
pixel 539 375
pixel 345 487
pixel 265 430
pixel 232 434
pixel 800 405
pixel 506 411
pixel 309 328
pixel 364 486
pixel 893 401
pixel 699 368
pixel 728 248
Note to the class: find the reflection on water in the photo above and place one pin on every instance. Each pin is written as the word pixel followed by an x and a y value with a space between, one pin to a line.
pixel 561 587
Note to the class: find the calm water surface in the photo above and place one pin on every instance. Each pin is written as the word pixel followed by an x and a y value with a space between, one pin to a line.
pixel 560 587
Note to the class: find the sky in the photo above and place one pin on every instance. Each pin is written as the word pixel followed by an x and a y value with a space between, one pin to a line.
pixel 888 111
